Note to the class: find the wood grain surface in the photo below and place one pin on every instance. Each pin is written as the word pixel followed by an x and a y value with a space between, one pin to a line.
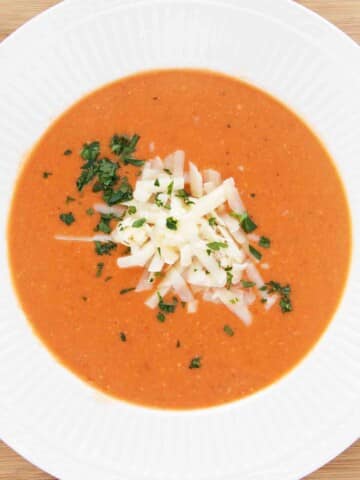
pixel 343 13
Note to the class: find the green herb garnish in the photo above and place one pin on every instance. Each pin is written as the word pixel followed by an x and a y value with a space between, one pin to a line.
pixel 161 317
pixel 264 242
pixel 104 224
pixel 195 363
pixel 139 223
pixel 247 284
pixel 229 277
pixel 171 223
pixel 46 174
pixel 167 307
pixel 166 170
pixel 158 202
pixel 228 330
pixel 90 211
pixel 68 152
pixel 104 248
pixel 99 269
pixel 255 253
pixel 216 245
pixel 90 153
pixel 131 210
pixel 124 193
pixel 69 199
pixel 122 337
pixel 212 221
pixel 67 218
pixel 245 221
pixel 185 196
pixel 170 187
pixel 284 291
pixel 124 146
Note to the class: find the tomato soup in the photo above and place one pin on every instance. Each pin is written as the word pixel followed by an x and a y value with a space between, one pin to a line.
pixel 84 308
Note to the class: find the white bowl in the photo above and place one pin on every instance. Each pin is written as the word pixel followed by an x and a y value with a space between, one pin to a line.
pixel 281 433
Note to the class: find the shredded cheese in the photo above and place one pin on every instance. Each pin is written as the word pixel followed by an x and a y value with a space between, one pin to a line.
pixel 174 237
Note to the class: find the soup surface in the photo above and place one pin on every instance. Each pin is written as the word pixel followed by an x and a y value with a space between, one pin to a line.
pixel 289 185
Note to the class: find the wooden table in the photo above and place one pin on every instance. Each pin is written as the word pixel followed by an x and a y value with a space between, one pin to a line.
pixel 345 14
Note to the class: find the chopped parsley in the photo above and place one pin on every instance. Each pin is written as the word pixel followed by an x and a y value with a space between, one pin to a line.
pixel 212 221
pixel 161 317
pixel 215 246
pixel 139 223
pixel 107 173
pixel 228 330
pixel 171 223
pixel 104 171
pixel 90 153
pixel 122 337
pixel 245 221
pixel 195 362
pixel 99 269
pixel 157 183
pixel 90 211
pixel 67 218
pixel 264 242
pixel 123 194
pixel 126 290
pixel 104 224
pixel 166 170
pixel 69 199
pixel 108 278
pixel 133 161
pixel 167 307
pixel 284 291
pixel 170 187
pixel 46 174
pixel 131 210
pixel 247 284
pixel 104 248
pixel 158 202
pixel 229 277
pixel 124 146
pixel 185 196
pixel 68 152
pixel 255 253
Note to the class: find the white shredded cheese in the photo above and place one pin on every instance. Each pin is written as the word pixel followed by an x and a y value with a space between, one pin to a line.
pixel 189 237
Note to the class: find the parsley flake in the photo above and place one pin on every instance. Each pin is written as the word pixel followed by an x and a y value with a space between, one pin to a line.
pixel 138 223
pixel 228 330
pixel 216 245
pixel 99 269
pixel 264 242
pixel 255 253
pixel 171 223
pixel 67 218
pixel 195 362
pixel 104 248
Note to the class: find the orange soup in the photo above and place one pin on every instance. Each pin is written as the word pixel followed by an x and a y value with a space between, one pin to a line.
pixel 83 306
